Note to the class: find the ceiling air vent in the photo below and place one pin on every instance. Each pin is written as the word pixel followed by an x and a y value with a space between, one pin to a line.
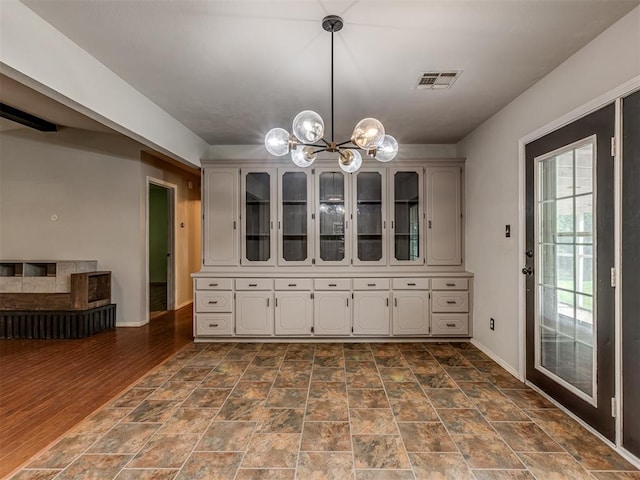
pixel 438 80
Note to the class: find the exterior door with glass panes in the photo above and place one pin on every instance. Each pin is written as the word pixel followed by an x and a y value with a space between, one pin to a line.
pixel 295 223
pixel 569 259
pixel 258 216
pixel 370 217
pixel 332 220
pixel 407 215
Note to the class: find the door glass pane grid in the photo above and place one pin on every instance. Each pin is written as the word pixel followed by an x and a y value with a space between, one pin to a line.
pixel 332 217
pixel 258 216
pixel 565 273
pixel 294 216
pixel 369 216
pixel 406 214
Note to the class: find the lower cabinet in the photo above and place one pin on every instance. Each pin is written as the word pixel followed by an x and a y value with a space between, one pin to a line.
pixel 332 313
pixel 410 312
pixel 293 313
pixel 254 313
pixel 371 313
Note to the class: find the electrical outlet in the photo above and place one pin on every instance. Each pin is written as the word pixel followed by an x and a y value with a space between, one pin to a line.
pixel 492 324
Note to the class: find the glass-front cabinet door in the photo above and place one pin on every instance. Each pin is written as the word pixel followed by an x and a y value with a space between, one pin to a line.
pixel 258 216
pixel 332 221
pixel 370 217
pixel 295 224
pixel 407 214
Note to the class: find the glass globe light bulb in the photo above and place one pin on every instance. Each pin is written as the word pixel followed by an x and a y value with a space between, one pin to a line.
pixel 303 157
pixel 388 150
pixel 368 133
pixel 277 141
pixel 308 126
pixel 350 160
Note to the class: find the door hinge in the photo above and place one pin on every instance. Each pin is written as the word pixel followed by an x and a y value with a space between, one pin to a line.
pixel 614 407
pixel 613 146
pixel 613 276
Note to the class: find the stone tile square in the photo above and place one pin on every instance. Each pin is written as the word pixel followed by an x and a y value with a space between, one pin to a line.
pixel 326 436
pixel 486 451
pixel 287 398
pixel 324 374
pixel 207 398
pixel 153 411
pixel 553 465
pixel 266 474
pixel 379 451
pixel 125 438
pixel 384 475
pixel 191 374
pixel 364 380
pixel 272 450
pixel 527 399
pixel 503 475
pixel 436 380
pixel 240 409
pixel 391 361
pixel 95 467
pixel 372 421
pixel 64 451
pixel 439 466
pixel 210 466
pixel 327 411
pixel 227 436
pixel 188 420
pixel 448 398
pixel 465 374
pixel 270 361
pixel 592 453
pixel 328 391
pixel 329 362
pixel 500 411
pixel 173 390
pixel 418 410
pixel 147 474
pixel 251 390
pixel 288 379
pixel 165 451
pixel 367 398
pixel 326 465
pixel 396 374
pixel 102 421
pixel 426 437
pixel 131 398
pixel 405 391
pixel 526 437
pixel 259 374
pixel 281 420
pixel 461 421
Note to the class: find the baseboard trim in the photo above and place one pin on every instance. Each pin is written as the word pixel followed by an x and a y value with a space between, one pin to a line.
pixel 130 324
pixel 496 359
pixel 184 304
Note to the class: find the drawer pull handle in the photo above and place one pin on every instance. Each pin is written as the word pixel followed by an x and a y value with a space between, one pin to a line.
pixel 451 302
pixel 253 284
pixel 371 284
pixel 293 284
pixel 213 302
pixel 213 325
pixel 411 284
pixel 333 284
pixel 451 325
pixel 451 284
pixel 213 284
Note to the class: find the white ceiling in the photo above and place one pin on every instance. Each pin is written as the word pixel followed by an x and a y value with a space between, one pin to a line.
pixel 230 70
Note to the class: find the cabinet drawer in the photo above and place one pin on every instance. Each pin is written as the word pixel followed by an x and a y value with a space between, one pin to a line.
pixel 410 284
pixel 210 324
pixel 214 284
pixel 450 302
pixel 332 284
pixel 213 301
pixel 450 284
pixel 254 284
pixel 294 284
pixel 449 324
pixel 371 284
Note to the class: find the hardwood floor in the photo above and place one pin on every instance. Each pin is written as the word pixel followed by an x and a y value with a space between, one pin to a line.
pixel 48 386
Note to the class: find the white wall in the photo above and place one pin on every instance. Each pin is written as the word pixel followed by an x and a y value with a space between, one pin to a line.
pixel 492 175
pixel 96 184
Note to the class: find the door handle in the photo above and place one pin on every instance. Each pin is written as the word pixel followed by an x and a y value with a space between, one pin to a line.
pixel 528 270
pixel 529 253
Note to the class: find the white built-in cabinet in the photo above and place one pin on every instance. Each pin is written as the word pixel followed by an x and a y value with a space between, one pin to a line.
pixel 220 243
pixel 317 252
pixel 444 216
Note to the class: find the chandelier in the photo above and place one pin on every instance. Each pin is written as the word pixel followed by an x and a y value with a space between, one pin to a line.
pixel 307 137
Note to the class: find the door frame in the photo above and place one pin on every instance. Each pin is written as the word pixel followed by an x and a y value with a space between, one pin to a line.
pixel 171 243
pixel 613 95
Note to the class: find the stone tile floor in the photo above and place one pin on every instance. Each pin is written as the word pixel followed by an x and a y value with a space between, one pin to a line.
pixel 379 411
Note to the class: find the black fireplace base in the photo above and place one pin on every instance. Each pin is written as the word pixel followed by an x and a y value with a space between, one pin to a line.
pixel 56 324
